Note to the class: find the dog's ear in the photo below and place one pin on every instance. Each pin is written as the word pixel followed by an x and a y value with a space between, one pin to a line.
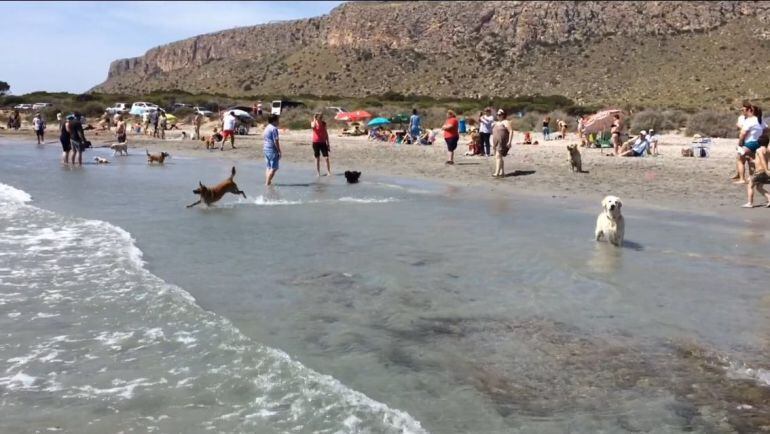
pixel 201 184
pixel 618 203
pixel 232 173
pixel 604 203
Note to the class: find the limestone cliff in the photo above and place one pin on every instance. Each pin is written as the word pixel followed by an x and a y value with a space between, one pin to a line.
pixel 682 53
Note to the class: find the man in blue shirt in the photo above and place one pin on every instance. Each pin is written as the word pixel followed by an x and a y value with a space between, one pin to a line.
pixel 414 126
pixel 640 146
pixel 272 148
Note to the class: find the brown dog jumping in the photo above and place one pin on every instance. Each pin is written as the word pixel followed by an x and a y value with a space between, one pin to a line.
pixel 159 158
pixel 213 194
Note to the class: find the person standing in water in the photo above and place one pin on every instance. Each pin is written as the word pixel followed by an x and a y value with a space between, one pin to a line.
pixel 320 143
pixel 38 125
pixel 77 137
pixel 271 148
pixel 120 129
pixel 502 135
pixel 64 138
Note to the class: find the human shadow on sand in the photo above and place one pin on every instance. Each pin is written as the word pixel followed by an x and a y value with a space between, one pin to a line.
pixel 519 173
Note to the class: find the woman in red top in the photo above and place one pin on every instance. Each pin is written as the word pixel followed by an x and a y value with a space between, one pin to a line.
pixel 320 143
pixel 451 135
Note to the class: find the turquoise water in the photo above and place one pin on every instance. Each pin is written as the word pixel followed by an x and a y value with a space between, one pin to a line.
pixel 387 306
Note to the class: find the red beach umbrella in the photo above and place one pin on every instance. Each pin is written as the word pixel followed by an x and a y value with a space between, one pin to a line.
pixel 600 121
pixel 356 116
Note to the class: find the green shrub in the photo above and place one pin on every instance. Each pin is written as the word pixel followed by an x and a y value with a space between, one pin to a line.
pixel 674 120
pixel 645 120
pixel 712 123
pixel 529 122
pixel 92 108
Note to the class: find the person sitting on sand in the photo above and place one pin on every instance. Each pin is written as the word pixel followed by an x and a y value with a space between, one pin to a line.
pixel 474 146
pixel 213 139
pixel 640 146
pixel 654 140
pixel 527 138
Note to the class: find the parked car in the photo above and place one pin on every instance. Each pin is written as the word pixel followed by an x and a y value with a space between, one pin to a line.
pixel 23 107
pixel 138 108
pixel 118 107
pixel 203 112
pixel 178 105
pixel 277 106
pixel 41 105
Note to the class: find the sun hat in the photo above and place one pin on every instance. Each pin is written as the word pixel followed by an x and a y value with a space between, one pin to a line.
pixel 643 132
pixel 501 112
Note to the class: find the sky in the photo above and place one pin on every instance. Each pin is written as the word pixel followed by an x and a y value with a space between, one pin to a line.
pixel 68 46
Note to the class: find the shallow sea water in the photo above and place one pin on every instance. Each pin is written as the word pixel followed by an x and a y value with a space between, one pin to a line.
pixel 387 306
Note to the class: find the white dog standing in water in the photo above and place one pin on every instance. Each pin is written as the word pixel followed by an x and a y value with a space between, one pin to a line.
pixel 610 222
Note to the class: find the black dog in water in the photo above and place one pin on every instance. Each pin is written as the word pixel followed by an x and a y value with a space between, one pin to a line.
pixel 352 177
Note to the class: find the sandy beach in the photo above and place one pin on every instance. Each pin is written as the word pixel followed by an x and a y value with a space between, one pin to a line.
pixel 668 180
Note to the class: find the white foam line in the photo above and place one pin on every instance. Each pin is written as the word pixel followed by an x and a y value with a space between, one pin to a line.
pixel 309 378
pixel 10 194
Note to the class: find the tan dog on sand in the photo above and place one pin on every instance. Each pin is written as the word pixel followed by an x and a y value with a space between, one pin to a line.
pixel 159 158
pixel 610 223
pixel 213 194
pixel 575 161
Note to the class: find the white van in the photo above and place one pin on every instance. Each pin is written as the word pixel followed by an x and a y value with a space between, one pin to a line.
pixel 275 108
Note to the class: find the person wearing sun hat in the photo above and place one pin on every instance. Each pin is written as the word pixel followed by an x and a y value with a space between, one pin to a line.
pixel 502 135
pixel 640 146
pixel 654 140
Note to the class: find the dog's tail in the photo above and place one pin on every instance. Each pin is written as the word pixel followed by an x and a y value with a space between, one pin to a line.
pixel 148 152
pixel 232 173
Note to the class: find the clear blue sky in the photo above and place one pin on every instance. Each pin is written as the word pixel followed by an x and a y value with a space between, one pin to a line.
pixel 68 46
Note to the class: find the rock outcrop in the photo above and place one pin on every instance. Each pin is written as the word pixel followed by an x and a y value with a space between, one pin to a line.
pixel 668 53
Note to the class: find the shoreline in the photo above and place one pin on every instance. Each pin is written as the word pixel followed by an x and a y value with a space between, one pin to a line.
pixel 666 182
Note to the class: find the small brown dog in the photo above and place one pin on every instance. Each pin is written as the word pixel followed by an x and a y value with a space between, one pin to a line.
pixel 213 194
pixel 687 152
pixel 575 161
pixel 159 158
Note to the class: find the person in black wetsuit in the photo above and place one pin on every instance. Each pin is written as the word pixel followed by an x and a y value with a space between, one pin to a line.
pixel 64 138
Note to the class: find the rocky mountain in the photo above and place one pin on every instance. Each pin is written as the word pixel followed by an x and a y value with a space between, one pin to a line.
pixel 685 54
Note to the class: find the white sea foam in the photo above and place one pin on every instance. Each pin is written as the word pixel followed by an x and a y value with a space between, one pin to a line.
pixel 10 194
pixel 368 199
pixel 740 371
pixel 121 318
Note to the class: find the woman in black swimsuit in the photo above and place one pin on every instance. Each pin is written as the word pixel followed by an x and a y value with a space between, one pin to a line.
pixel 617 126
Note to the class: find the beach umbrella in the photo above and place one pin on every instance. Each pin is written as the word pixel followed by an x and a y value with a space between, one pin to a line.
pixel 600 121
pixel 378 122
pixel 355 116
pixel 242 115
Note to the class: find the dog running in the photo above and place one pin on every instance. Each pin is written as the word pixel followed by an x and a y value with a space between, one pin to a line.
pixel 213 194
pixel 119 149
pixel 610 223
pixel 352 176
pixel 157 158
